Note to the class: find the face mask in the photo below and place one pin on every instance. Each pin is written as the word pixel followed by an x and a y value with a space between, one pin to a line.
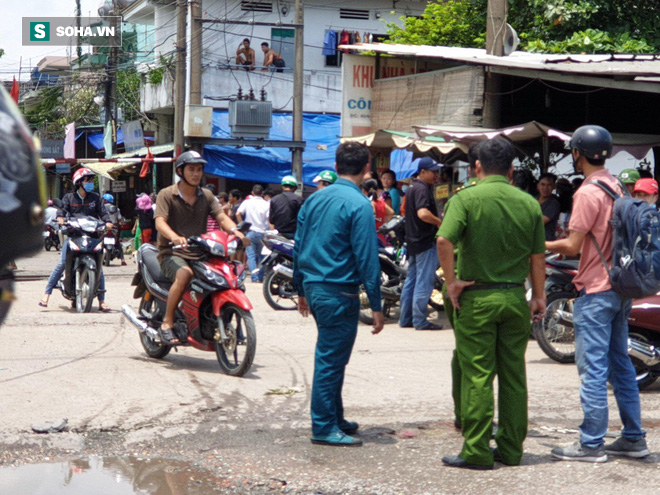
pixel 404 188
pixel 88 186
pixel 575 165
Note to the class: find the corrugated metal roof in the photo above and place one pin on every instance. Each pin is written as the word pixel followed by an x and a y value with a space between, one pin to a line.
pixel 594 65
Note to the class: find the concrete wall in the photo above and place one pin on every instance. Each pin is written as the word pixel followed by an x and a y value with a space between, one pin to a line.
pixel 322 91
pixel 220 41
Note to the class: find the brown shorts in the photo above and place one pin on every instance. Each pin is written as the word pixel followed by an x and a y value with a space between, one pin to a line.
pixel 171 264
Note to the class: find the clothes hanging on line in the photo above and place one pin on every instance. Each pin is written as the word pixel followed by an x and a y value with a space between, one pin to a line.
pixel 330 44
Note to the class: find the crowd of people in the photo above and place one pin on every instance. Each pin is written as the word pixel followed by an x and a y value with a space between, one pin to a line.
pixel 489 239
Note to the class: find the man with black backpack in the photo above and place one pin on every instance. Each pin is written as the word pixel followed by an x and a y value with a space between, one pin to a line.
pixel 601 311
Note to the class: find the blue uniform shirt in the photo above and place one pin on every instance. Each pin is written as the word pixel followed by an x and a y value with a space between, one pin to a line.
pixel 336 241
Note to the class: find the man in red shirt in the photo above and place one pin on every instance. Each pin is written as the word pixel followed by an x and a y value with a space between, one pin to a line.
pixel 600 314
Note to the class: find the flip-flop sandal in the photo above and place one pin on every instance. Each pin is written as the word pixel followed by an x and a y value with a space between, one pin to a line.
pixel 105 309
pixel 167 335
pixel 43 304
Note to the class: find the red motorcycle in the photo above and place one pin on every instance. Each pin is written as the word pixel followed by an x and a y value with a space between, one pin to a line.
pixel 214 310
pixel 644 339
pixel 555 333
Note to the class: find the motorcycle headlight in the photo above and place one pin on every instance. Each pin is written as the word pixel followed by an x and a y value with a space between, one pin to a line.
pixel 241 276
pixel 232 247
pixel 216 248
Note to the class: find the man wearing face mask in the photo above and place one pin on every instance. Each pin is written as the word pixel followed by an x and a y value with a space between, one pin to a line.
pixel 82 202
pixel 600 314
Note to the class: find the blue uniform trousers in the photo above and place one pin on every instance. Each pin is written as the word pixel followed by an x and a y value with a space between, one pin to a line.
pixel 336 316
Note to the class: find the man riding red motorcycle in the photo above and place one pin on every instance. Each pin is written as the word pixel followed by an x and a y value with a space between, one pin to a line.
pixel 181 212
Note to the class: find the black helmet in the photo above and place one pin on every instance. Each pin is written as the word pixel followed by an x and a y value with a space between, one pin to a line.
pixel 187 158
pixel 22 185
pixel 592 141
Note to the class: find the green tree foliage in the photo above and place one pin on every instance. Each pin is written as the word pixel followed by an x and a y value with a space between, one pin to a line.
pixel 128 93
pixel 451 23
pixel 552 26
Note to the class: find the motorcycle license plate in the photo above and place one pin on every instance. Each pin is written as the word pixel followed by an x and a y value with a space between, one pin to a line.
pixel 109 241
pixel 265 251
pixel 45 234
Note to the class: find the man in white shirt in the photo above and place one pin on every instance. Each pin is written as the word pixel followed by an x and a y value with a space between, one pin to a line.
pixel 255 211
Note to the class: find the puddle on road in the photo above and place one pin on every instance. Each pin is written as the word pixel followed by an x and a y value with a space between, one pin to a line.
pixel 110 476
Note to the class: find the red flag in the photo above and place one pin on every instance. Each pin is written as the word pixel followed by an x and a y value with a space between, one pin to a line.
pixel 14 91
pixel 146 163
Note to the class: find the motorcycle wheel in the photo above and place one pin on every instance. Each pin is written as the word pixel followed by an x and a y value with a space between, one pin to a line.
pixel 556 340
pixel 154 348
pixel 236 353
pixel 47 244
pixel 279 292
pixel 645 378
pixel 85 289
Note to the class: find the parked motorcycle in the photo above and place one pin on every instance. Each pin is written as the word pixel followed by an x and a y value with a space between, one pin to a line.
pixel 393 260
pixel 82 272
pixel 51 237
pixel 214 313
pixel 279 290
pixel 556 336
pixel 554 333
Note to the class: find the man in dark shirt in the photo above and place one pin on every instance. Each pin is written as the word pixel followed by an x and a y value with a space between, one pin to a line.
pixel 422 223
pixel 284 208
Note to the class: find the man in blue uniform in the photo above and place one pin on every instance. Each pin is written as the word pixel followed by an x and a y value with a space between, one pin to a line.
pixel 335 251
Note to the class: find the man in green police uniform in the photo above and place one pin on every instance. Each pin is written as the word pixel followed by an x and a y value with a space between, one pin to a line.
pixel 335 251
pixel 456 375
pixel 499 233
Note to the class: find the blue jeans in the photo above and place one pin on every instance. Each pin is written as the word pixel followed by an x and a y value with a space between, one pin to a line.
pixel 59 270
pixel 253 253
pixel 601 354
pixel 336 318
pixel 417 289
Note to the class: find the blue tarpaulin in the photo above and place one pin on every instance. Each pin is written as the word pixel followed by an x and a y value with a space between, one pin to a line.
pixel 96 140
pixel 269 165
pixel 403 163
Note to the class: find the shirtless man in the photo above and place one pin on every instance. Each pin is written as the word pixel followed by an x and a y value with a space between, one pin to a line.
pixel 245 55
pixel 272 58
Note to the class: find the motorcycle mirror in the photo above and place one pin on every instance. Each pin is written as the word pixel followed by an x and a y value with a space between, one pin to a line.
pixel 57 202
pixel 244 227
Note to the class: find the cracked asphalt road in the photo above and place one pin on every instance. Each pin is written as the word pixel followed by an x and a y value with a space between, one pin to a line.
pixel 91 369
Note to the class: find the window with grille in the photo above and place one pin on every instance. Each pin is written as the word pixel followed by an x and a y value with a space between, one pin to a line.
pixel 354 14
pixel 256 6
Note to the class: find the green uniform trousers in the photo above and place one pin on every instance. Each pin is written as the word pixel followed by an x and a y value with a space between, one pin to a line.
pixel 492 331
pixel 456 376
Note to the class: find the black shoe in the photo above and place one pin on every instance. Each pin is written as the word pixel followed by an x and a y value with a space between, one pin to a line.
pixel 349 427
pixel 430 326
pixel 458 462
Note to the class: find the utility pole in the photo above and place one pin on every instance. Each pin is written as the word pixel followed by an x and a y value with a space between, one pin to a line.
pixel 180 76
pixel 296 162
pixel 196 53
pixel 111 85
pixel 495 31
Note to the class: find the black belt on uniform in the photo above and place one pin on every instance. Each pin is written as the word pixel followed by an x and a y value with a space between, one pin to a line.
pixel 491 286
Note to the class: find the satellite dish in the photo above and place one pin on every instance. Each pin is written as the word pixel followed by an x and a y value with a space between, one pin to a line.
pixel 511 40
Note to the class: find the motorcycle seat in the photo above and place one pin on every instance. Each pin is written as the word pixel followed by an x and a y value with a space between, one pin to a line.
pixel 149 255
pixel 567 264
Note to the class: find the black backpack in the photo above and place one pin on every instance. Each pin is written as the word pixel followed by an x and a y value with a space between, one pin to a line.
pixel 635 270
